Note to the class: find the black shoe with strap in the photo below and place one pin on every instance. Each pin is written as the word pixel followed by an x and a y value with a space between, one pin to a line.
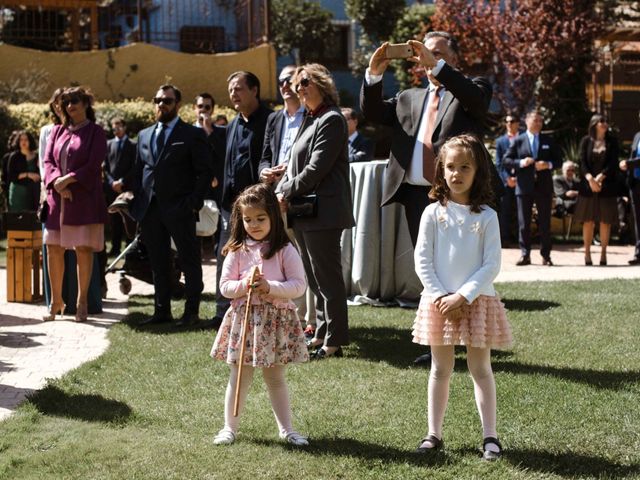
pixel 490 455
pixel 436 443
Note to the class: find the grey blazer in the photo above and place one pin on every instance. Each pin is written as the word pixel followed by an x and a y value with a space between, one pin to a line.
pixel 320 163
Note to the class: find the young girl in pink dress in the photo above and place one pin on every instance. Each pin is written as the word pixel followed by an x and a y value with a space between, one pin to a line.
pixel 275 335
pixel 457 257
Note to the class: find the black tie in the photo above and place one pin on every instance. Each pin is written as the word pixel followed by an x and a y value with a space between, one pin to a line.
pixel 160 139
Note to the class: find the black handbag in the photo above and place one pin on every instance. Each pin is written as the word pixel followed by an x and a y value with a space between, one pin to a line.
pixel 43 211
pixel 304 206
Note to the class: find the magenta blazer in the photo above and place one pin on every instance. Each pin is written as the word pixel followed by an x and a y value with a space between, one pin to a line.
pixel 86 151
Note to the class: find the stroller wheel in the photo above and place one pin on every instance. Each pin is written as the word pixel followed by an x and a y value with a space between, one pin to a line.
pixel 125 285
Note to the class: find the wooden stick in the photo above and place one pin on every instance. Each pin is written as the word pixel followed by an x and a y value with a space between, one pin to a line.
pixel 245 328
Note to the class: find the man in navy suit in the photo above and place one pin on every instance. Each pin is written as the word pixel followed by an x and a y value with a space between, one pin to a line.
pixel 533 156
pixel 508 177
pixel 360 147
pixel 121 156
pixel 172 174
pixel 632 167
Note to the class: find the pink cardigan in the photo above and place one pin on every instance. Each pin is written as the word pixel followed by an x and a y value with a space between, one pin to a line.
pixel 284 272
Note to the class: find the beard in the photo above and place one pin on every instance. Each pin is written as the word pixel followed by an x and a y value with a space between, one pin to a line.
pixel 167 116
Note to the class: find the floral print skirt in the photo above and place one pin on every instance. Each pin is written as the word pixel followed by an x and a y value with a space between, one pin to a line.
pixel 481 324
pixel 275 337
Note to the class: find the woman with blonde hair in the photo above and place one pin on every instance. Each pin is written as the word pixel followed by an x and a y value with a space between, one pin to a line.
pixel 319 166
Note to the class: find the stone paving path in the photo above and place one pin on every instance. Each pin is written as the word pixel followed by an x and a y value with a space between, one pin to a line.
pixel 32 351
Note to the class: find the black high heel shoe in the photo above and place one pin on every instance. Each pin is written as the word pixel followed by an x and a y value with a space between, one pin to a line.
pixel 321 354
pixel 587 261
pixel 603 261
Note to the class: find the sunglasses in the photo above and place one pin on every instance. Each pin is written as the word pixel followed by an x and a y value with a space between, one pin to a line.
pixel 166 101
pixel 71 101
pixel 204 107
pixel 283 80
pixel 511 121
pixel 304 82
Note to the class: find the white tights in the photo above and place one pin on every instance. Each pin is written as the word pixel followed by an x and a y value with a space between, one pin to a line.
pixel 484 387
pixel 278 394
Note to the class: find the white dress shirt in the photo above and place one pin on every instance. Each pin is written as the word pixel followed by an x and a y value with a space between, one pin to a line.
pixel 414 174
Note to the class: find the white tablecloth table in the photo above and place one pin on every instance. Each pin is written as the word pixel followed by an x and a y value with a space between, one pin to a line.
pixel 377 254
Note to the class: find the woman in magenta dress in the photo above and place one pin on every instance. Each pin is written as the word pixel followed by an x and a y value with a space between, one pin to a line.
pixel 77 209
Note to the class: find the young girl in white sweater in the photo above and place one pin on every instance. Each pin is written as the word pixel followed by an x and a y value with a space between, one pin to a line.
pixel 457 257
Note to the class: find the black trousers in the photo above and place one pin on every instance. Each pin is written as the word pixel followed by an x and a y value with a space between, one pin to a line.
pixel 222 302
pixel 415 199
pixel 157 231
pixel 117 231
pixel 634 194
pixel 525 205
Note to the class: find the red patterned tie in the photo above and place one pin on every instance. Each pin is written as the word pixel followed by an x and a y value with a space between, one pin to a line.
pixel 428 154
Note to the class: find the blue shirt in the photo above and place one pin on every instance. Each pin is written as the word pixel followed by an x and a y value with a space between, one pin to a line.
pixel 292 125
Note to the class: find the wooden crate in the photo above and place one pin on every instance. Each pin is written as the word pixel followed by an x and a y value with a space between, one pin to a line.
pixel 23 265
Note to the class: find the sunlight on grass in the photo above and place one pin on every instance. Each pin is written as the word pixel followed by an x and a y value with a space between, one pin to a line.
pixel 568 398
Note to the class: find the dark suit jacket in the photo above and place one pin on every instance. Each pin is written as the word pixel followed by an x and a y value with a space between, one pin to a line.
pixel 361 149
pixel 528 180
pixel 502 146
pixel 272 138
pixel 179 177
pixel 320 165
pixel 609 169
pixel 117 165
pixel 633 162
pixel 247 174
pixel 217 140
pixel 463 109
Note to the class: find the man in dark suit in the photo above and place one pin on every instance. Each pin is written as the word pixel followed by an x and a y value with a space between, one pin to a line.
pixel 121 156
pixel 632 167
pixel 244 145
pixel 172 174
pixel 422 120
pixel 533 156
pixel 216 137
pixel 281 130
pixel 360 147
pixel 508 177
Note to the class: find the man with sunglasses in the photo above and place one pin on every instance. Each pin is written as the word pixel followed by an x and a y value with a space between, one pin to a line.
pixel 216 137
pixel 282 129
pixel 172 174
pixel 508 176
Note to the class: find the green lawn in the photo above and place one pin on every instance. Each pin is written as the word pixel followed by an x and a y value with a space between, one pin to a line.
pixel 568 402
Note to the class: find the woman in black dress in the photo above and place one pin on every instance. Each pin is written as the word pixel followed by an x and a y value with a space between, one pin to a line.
pixel 597 198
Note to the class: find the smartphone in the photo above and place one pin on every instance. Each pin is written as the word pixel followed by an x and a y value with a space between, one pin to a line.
pixel 399 50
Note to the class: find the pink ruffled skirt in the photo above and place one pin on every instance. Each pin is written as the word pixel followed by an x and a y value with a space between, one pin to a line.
pixel 275 337
pixel 483 324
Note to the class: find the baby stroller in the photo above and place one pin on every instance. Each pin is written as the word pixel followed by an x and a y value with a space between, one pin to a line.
pixel 136 261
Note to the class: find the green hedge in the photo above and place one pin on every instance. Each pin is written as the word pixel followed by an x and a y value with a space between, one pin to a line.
pixel 137 113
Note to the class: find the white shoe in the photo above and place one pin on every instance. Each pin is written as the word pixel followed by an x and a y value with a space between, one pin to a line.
pixel 294 438
pixel 225 436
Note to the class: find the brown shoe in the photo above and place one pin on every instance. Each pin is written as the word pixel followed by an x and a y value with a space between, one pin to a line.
pixel 524 260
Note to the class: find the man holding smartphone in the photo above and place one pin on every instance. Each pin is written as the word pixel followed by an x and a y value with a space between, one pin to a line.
pixel 422 120
pixel 281 131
